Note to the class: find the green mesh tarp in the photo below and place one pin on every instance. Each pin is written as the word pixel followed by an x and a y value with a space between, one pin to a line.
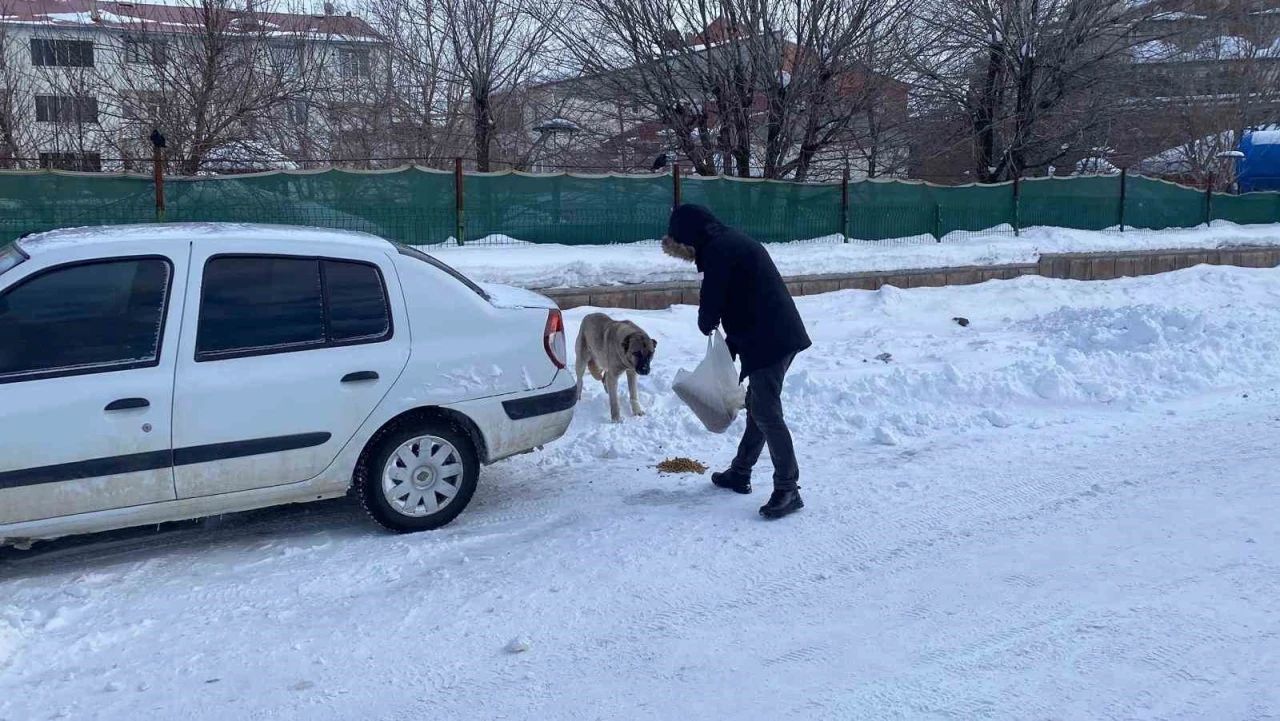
pixel 574 210
pixel 38 201
pixel 881 210
pixel 418 206
pixel 410 205
pixel 1248 208
pixel 1090 203
pixel 1155 205
pixel 973 208
pixel 766 210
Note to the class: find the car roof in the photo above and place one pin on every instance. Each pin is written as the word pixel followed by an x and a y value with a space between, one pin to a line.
pixel 60 239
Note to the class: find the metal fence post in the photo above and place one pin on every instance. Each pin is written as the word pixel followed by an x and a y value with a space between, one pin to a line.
pixel 1017 205
pixel 157 163
pixel 1124 183
pixel 1208 201
pixel 459 208
pixel 675 185
pixel 844 204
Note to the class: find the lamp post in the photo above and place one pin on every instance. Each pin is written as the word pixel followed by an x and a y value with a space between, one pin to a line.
pixel 1230 159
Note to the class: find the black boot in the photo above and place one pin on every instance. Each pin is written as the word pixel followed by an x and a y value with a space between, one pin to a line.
pixel 782 503
pixel 733 481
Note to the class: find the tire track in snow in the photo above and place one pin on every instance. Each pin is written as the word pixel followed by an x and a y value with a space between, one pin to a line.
pixel 944 526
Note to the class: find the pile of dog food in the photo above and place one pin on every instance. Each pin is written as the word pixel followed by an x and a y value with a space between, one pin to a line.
pixel 681 465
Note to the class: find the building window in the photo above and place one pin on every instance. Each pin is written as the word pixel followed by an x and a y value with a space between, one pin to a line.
pixel 297 113
pixel 66 109
pixel 355 63
pixel 61 53
pixel 145 52
pixel 82 162
pixel 143 106
pixel 285 58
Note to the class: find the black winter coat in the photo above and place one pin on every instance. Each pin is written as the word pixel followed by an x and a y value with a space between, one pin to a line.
pixel 742 290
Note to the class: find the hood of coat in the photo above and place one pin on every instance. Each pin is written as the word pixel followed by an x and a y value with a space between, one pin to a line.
pixel 694 226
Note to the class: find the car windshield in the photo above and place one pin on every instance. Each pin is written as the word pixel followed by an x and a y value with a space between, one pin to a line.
pixel 10 257
pixel 413 252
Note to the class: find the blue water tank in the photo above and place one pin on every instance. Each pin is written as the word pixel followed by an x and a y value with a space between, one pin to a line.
pixel 1260 167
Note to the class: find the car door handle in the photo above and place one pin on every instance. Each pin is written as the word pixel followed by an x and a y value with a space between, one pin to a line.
pixel 125 404
pixel 360 376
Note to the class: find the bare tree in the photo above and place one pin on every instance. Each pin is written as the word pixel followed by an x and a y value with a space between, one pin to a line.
pixel 64 90
pixel 1209 89
pixel 425 99
pixel 15 99
pixel 1033 80
pixel 221 85
pixel 496 46
pixel 741 84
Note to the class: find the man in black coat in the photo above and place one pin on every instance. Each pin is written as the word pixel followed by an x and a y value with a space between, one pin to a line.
pixel 743 292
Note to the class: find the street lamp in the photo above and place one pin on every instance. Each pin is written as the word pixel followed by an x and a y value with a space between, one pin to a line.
pixel 1231 160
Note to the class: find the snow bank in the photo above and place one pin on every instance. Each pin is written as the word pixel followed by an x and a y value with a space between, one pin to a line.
pixel 562 266
pixel 999 526
pixel 10 642
pixel 1034 348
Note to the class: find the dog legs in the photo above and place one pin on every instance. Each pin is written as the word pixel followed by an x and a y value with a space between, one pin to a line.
pixel 615 408
pixel 635 396
pixel 580 367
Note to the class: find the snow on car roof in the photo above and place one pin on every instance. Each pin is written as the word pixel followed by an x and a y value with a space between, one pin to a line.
pixel 55 239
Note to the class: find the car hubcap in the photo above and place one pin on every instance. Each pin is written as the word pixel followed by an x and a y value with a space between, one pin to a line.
pixel 422 476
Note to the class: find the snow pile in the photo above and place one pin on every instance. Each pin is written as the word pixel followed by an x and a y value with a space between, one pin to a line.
pixel 10 642
pixel 562 266
pixel 1035 348
pixel 1000 525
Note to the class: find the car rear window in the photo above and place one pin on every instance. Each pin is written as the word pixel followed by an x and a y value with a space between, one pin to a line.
pixel 415 253
pixel 259 304
pixel 263 304
pixel 357 302
pixel 10 257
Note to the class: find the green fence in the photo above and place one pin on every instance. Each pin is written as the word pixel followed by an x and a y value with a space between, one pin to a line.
pixel 423 207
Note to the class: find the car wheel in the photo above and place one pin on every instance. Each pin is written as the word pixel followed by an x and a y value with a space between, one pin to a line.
pixel 419 478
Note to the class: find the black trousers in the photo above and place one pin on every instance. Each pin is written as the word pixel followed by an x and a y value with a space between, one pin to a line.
pixel 766 426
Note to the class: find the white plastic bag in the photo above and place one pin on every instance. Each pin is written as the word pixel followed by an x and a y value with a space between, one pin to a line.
pixel 712 390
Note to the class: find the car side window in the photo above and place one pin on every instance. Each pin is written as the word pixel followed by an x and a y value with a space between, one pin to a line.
pixel 356 302
pixel 84 318
pixel 258 305
pixel 252 305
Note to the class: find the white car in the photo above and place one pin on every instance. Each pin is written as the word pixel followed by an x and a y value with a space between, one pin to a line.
pixel 166 372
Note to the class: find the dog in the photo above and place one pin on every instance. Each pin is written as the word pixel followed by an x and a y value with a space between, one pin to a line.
pixel 609 348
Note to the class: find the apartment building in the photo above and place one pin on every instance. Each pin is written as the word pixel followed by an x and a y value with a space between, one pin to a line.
pixel 84 84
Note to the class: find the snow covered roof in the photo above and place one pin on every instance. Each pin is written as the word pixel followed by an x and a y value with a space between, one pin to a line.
pixel 1265 137
pixel 557 125
pixel 178 19
pixel 53 240
pixel 1224 47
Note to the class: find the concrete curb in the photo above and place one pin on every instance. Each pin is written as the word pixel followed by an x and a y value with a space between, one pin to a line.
pixel 1067 266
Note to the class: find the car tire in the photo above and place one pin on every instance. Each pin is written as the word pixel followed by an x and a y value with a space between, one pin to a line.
pixel 418 478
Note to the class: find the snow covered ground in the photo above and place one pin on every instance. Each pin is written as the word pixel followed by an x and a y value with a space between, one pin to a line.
pixel 561 266
pixel 1065 510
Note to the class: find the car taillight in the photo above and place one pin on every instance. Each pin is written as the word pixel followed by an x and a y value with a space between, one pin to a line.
pixel 553 339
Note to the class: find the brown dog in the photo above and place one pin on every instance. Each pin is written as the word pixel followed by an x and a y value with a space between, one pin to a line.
pixel 609 348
